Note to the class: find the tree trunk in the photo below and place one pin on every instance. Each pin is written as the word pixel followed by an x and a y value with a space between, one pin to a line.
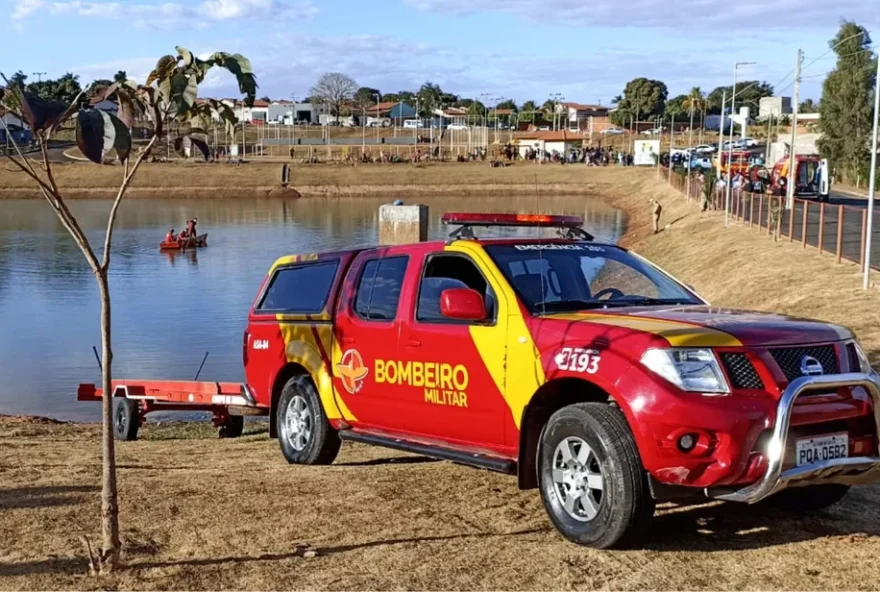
pixel 109 497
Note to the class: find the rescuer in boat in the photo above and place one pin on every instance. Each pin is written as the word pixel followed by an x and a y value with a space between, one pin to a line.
pixel 191 227
pixel 169 238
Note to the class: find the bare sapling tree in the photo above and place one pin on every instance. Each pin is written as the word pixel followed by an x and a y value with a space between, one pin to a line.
pixel 167 98
pixel 336 90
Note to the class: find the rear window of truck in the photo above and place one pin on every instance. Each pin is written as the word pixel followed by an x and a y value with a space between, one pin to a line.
pixel 300 289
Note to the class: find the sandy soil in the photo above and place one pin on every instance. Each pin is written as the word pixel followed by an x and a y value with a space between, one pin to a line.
pixel 203 513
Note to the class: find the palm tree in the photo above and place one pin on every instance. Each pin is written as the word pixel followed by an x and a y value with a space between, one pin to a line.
pixel 696 100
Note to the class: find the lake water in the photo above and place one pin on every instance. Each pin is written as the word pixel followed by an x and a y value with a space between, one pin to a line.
pixel 169 309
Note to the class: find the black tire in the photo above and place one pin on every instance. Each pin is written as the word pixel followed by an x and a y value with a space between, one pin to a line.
pixel 625 506
pixel 232 427
pixel 126 419
pixel 810 498
pixel 322 444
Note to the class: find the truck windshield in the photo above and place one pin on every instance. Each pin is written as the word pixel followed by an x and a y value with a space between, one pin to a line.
pixel 568 277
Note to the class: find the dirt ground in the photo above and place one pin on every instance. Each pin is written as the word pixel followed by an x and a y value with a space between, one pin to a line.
pixel 209 514
pixel 202 513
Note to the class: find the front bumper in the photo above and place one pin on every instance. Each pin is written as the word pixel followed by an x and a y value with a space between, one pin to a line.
pixel 850 471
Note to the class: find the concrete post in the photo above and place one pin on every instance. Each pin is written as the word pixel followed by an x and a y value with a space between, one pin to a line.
pixel 400 224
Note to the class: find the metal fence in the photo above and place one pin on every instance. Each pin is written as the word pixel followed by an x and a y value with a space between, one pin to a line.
pixel 837 229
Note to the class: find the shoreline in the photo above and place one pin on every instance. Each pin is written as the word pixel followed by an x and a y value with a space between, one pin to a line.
pixel 308 191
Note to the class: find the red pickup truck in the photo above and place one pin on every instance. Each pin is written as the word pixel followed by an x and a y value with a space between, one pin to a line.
pixel 577 366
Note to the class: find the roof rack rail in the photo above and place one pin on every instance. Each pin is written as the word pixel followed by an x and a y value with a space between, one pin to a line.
pixel 569 226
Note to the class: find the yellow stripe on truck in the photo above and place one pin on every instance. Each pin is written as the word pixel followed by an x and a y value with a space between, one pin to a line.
pixel 678 334
pixel 507 350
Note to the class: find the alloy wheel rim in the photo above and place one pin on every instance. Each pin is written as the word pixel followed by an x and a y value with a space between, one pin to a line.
pixel 298 423
pixel 577 479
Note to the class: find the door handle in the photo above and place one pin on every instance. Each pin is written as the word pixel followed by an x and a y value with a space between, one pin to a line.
pixel 347 340
pixel 413 343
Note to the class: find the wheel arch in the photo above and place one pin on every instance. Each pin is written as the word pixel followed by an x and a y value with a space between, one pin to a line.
pixel 549 398
pixel 289 371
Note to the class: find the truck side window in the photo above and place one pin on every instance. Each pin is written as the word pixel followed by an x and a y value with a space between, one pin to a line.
pixel 378 292
pixel 300 289
pixel 443 272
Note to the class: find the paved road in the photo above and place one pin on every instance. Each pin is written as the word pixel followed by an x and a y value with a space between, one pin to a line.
pixel 821 223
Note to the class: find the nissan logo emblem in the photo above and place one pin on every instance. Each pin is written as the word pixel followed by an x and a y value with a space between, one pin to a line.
pixel 810 366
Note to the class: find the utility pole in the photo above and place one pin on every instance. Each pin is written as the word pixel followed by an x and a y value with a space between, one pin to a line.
pixel 39 76
pixel 730 152
pixel 872 183
pixel 671 142
pixel 791 181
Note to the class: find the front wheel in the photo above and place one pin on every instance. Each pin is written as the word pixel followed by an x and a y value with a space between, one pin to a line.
pixel 305 434
pixel 592 481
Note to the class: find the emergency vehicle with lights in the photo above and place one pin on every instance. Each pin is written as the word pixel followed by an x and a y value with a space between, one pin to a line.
pixel 577 366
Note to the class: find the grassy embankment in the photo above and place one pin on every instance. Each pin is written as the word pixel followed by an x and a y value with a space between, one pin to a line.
pixel 202 513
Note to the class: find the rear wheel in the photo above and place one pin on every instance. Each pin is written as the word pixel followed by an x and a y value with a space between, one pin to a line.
pixel 126 419
pixel 810 498
pixel 305 434
pixel 592 481
pixel 232 427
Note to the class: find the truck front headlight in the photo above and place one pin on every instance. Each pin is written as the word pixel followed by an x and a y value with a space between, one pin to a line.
pixel 864 364
pixel 690 369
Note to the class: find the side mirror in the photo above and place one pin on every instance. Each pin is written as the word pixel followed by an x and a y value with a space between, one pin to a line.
pixel 462 304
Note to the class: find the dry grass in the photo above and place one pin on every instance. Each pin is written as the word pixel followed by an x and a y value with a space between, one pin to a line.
pixel 255 179
pixel 203 513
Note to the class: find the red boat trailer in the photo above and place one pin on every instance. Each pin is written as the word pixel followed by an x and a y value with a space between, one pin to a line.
pixel 133 399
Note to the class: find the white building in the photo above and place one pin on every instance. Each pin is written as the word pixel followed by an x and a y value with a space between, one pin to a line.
pixel 561 141
pixel 577 116
pixel 774 107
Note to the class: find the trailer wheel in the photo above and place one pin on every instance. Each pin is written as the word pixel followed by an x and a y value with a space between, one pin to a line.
pixel 305 434
pixel 232 427
pixel 126 419
pixel 592 481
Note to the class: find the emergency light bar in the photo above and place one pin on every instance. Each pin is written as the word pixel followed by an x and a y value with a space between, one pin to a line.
pixel 571 224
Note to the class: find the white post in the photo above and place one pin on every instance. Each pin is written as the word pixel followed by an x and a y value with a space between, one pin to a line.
pixel 872 183
pixel 721 136
pixel 730 151
pixel 792 162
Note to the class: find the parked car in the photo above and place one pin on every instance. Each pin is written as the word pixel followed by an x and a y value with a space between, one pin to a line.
pixel 412 123
pixel 653 132
pixel 704 148
pixel 582 369
pixel 458 126
pixel 700 162
pixel 612 131
pixel 748 142
pixel 544 128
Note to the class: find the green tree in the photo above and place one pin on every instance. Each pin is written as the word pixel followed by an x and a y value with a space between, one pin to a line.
pixel 168 97
pixel 390 98
pixel 847 102
pixel 747 92
pixel 677 105
pixel 476 111
pixel 336 90
pixel 642 99
pixel 808 106
pixel 430 97
pixel 508 104
pixel 120 76
pixel 63 89
pixel 527 111
pixel 18 80
pixel 365 96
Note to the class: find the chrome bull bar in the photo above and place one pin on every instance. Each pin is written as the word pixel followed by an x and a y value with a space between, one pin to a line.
pixel 850 470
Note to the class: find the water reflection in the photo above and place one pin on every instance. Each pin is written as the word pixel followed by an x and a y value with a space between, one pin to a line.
pixel 170 308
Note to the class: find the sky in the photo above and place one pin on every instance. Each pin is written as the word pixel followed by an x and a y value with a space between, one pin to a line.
pixel 585 50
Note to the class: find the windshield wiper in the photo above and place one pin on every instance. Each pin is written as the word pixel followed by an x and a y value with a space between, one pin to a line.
pixel 645 302
pixel 565 305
